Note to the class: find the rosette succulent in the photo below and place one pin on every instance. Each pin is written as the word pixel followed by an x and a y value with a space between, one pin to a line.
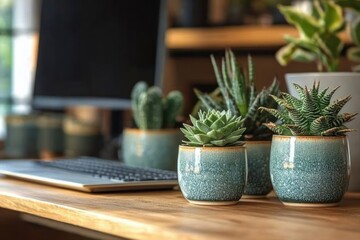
pixel 312 115
pixel 213 128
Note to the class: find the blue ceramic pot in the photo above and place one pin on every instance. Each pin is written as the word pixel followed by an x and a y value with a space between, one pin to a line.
pixel 212 175
pixel 259 181
pixel 50 133
pixel 81 138
pixel 310 170
pixel 151 148
pixel 21 135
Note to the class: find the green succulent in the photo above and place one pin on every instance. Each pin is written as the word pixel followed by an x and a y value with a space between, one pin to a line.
pixel 312 115
pixel 239 95
pixel 213 128
pixel 153 111
pixel 318 39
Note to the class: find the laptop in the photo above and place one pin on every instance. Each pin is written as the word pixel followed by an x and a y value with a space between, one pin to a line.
pixel 89 174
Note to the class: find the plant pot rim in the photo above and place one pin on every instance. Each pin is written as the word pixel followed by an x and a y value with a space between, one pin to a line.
pixel 312 137
pixel 334 74
pixel 185 147
pixel 152 131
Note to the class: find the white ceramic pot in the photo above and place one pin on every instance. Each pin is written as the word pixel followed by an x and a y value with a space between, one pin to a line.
pixel 349 83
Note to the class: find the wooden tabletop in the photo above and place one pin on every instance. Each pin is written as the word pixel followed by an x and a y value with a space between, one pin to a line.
pixel 167 215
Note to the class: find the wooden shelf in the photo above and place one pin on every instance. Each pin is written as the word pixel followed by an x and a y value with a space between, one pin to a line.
pixel 217 38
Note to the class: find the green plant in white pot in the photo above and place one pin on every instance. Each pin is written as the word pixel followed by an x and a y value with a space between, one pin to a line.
pixel 155 142
pixel 318 39
pixel 212 165
pixel 310 159
pixel 319 42
pixel 237 93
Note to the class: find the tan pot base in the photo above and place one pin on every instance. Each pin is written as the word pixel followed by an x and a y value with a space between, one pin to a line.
pixel 311 205
pixel 253 196
pixel 213 203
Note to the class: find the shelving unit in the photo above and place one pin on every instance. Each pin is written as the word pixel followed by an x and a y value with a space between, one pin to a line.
pixel 241 37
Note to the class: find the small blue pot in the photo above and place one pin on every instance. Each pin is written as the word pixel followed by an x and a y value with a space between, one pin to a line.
pixel 212 175
pixel 21 135
pixel 151 148
pixel 310 171
pixel 50 136
pixel 259 181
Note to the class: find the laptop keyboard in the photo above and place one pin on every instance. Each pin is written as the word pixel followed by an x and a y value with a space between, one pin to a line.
pixel 112 170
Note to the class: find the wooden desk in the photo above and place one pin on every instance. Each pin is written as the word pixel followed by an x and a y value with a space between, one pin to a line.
pixel 167 215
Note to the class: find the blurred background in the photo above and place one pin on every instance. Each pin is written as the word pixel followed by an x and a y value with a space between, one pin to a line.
pixel 188 32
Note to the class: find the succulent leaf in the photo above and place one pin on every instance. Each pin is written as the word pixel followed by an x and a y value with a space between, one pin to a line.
pixel 214 128
pixel 334 108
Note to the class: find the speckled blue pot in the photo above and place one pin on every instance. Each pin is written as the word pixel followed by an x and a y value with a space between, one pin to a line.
pixel 151 148
pixel 310 171
pixel 212 175
pixel 259 181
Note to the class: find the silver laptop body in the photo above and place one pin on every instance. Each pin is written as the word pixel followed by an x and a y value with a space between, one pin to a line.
pixel 31 171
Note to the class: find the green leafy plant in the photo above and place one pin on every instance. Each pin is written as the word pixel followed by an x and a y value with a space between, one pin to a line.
pixel 214 128
pixel 312 115
pixel 353 8
pixel 240 97
pixel 153 111
pixel 318 35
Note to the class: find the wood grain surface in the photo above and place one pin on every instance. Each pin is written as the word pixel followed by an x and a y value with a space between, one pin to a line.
pixel 167 215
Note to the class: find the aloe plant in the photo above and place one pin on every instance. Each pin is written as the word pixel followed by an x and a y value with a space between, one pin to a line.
pixel 240 97
pixel 153 111
pixel 312 115
pixel 213 128
pixel 318 35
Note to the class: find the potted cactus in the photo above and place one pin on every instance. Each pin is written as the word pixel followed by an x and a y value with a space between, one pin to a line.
pixel 212 165
pixel 238 95
pixel 319 42
pixel 310 161
pixel 155 142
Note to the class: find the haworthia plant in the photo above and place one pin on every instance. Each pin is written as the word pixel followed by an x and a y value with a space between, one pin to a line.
pixel 153 111
pixel 313 114
pixel 213 128
pixel 239 96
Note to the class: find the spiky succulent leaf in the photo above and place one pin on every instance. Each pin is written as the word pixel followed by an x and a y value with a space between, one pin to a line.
pixel 312 114
pixel 214 128
pixel 229 100
pixel 334 108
